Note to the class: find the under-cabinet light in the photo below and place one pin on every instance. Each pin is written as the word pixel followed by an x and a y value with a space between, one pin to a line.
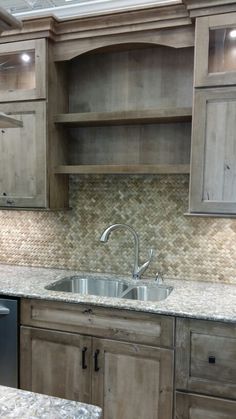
pixel 232 34
pixel 25 57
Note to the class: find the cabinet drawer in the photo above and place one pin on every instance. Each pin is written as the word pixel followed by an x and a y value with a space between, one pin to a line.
pixel 205 357
pixel 116 324
pixel 192 406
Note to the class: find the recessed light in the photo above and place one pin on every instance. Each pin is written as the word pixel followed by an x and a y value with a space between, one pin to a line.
pixel 25 57
pixel 232 34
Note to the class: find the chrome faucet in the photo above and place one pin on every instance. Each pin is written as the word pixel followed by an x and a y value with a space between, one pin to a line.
pixel 138 270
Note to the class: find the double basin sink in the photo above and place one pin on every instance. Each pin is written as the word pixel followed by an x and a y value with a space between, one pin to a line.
pixel 111 288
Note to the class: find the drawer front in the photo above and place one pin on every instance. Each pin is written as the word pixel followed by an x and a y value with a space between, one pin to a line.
pixel 108 323
pixel 192 406
pixel 205 357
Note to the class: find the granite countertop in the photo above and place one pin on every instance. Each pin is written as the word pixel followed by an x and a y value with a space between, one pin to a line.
pixel 202 300
pixel 22 404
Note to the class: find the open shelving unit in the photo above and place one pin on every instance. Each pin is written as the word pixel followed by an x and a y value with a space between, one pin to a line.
pixel 127 112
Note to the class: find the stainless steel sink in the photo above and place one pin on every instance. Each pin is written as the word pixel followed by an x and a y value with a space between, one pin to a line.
pixel 148 293
pixel 111 288
pixel 91 286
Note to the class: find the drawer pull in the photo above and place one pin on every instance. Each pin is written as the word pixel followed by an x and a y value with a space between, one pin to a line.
pixel 212 360
pixel 84 350
pixel 96 353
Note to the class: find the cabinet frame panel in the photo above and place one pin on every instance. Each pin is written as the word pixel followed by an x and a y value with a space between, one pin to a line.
pixel 202 78
pixel 185 328
pixel 197 167
pixel 40 90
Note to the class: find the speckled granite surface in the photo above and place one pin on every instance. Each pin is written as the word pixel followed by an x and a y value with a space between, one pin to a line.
pixel 203 300
pixel 21 404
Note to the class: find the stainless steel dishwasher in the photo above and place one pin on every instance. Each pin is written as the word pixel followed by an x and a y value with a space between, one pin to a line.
pixel 9 342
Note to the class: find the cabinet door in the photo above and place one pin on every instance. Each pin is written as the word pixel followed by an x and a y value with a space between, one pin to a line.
pixel 215 63
pixel 132 381
pixel 23 70
pixel 23 175
pixel 192 406
pixel 213 160
pixel 205 357
pixel 55 363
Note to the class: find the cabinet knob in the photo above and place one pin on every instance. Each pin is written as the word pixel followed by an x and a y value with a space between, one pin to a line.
pixel 212 359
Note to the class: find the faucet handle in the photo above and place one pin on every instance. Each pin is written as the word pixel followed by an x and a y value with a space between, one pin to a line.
pixel 145 265
pixel 159 278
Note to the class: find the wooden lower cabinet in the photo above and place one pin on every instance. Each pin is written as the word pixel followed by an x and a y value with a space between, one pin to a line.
pixel 127 380
pixel 193 406
pixel 51 363
pixel 132 381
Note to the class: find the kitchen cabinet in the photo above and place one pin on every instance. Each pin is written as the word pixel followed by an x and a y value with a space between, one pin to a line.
pixel 205 364
pixel 213 161
pixel 215 63
pixel 23 170
pixel 129 110
pixel 23 70
pixel 105 357
pixel 193 406
pixel 213 152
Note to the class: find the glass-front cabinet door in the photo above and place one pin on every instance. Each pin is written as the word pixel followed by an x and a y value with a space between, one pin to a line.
pixel 215 59
pixel 23 70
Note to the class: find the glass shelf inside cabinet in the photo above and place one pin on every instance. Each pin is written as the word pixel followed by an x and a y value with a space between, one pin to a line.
pixel 222 50
pixel 17 71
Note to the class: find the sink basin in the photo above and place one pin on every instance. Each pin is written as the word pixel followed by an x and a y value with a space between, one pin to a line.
pixel 91 286
pixel 148 293
pixel 111 288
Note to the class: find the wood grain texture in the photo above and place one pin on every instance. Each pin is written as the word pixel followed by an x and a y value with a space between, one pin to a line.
pixel 23 82
pixel 125 117
pixel 23 174
pixel 193 406
pixel 206 72
pixel 51 363
pixel 138 79
pixel 213 160
pixel 115 324
pixel 133 381
pixel 124 169
pixel 196 341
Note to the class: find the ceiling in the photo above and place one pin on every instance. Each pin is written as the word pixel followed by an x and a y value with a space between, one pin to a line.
pixel 65 8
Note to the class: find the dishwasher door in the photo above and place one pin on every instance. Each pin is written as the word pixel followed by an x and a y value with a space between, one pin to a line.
pixel 8 342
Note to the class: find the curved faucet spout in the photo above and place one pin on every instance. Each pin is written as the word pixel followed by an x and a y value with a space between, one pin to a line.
pixel 137 271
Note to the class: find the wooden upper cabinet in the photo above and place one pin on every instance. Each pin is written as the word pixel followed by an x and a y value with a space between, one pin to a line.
pixel 213 161
pixel 23 172
pixel 215 50
pixel 23 70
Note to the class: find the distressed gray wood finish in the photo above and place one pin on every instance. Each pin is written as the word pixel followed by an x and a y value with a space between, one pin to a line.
pixel 23 157
pixel 152 77
pixel 192 406
pixel 196 341
pixel 133 381
pixel 213 159
pixel 114 324
pixel 205 74
pixel 133 144
pixel 29 81
pixel 51 363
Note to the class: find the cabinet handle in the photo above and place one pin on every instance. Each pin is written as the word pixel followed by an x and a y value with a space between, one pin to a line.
pixel 96 353
pixel 84 350
pixel 212 359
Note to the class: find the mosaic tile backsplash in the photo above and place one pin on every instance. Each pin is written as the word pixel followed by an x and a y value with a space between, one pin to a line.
pixel 184 247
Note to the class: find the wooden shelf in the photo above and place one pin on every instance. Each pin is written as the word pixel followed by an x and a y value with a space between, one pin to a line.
pixel 149 116
pixel 7 121
pixel 124 169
